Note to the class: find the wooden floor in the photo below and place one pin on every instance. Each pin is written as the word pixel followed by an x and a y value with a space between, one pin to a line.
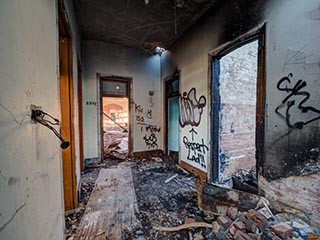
pixel 111 208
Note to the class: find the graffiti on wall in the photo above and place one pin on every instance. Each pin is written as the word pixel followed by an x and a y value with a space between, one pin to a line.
pixel 197 150
pixel 191 108
pixel 151 141
pixel 296 100
pixel 150 130
pixel 142 114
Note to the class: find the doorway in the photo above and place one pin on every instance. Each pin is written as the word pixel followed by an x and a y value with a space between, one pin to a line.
pixel 115 115
pixel 172 116
pixel 238 91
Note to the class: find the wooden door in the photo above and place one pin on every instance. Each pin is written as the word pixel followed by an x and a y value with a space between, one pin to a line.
pixel 66 99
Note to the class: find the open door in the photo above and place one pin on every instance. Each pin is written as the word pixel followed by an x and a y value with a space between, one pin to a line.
pixel 67 110
pixel 115 115
pixel 172 117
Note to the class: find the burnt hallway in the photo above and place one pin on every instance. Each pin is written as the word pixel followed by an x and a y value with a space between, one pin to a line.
pixel 201 117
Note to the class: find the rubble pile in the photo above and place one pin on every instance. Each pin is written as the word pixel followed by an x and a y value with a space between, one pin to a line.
pixel 169 207
pixel 260 223
pixel 116 143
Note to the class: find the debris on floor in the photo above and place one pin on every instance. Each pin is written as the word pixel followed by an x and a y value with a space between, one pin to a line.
pixel 242 215
pixel 112 207
pixel 116 143
pixel 167 198
pixel 73 217
pixel 245 181
pixel 173 204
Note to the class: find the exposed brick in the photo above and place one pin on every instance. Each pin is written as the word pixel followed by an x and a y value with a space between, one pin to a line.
pixel 242 236
pixel 224 221
pixel 232 212
pixel 282 230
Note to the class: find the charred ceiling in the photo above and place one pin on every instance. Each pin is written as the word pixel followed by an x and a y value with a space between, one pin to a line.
pixel 142 24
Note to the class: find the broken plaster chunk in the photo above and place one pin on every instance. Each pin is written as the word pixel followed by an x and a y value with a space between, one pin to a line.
pixel 282 230
pixel 266 212
pixel 198 237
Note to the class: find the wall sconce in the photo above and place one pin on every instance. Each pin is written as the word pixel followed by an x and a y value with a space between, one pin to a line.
pixel 45 119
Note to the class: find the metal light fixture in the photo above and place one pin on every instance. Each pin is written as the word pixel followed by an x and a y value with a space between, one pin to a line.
pixel 45 119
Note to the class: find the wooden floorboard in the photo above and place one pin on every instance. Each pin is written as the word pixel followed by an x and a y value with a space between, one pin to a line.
pixel 111 208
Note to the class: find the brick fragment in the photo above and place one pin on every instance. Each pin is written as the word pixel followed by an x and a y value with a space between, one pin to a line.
pixel 232 213
pixel 255 236
pixel 242 217
pixel 217 229
pixel 241 236
pixel 260 220
pixel 224 221
pixel 282 230
pixel 251 226
pixel 189 220
pixel 240 225
pixel 233 230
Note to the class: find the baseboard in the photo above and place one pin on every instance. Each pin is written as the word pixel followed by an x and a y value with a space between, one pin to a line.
pixel 148 154
pixel 195 171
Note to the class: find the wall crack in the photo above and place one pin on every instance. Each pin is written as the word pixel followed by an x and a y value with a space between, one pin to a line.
pixel 13 216
pixel 14 118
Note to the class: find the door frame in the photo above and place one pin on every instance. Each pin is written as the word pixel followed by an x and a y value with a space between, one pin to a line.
pixel 80 116
pixel 128 81
pixel 167 81
pixel 214 57
pixel 67 112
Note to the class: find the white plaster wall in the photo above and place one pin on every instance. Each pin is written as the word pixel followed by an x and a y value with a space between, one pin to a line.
pixel 143 68
pixel 190 56
pixel 293 38
pixel 31 188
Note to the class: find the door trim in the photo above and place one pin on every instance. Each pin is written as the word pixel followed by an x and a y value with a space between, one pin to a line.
pixel 128 81
pixel 67 110
pixel 168 80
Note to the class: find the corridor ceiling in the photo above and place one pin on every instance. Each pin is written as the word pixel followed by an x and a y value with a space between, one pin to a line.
pixel 141 24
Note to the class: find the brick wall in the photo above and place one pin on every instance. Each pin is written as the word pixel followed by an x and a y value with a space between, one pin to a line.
pixel 238 75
